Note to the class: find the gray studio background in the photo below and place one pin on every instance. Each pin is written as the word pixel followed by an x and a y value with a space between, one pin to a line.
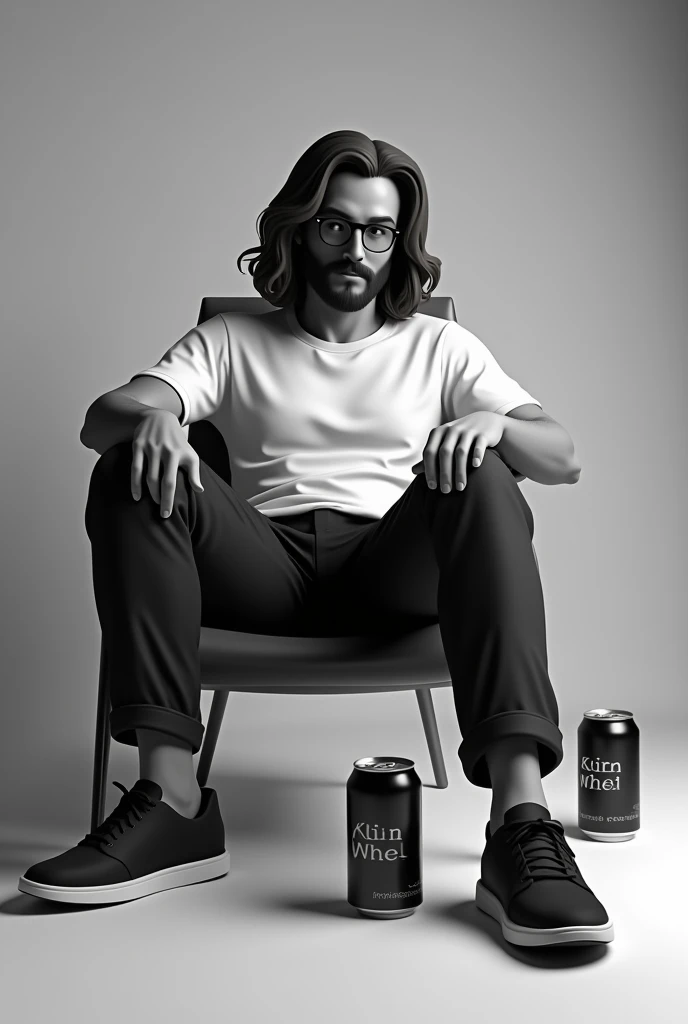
pixel 142 140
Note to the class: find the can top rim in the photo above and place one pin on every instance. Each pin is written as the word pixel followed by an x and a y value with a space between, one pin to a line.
pixel 608 714
pixel 378 765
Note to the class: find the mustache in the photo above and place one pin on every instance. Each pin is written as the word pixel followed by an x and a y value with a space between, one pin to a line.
pixel 348 269
pixel 303 259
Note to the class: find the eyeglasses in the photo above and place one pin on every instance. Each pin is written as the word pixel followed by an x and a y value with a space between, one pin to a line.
pixel 376 237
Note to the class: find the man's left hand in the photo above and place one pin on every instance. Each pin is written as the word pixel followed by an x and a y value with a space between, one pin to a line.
pixel 449 446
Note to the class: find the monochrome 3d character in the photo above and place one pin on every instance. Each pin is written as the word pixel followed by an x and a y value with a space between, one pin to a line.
pixel 375 456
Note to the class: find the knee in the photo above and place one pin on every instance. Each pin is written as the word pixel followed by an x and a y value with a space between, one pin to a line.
pixel 494 475
pixel 494 463
pixel 492 472
pixel 485 484
pixel 114 462
pixel 114 454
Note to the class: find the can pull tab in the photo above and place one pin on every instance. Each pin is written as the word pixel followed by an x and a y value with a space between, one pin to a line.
pixel 608 713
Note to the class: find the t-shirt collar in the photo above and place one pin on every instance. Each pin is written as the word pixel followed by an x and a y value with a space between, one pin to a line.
pixel 387 328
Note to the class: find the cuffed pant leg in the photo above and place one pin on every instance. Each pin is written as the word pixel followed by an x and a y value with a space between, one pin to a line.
pixel 125 720
pixel 215 561
pixel 492 616
pixel 504 724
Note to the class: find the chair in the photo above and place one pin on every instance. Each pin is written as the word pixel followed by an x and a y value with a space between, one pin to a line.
pixel 260 663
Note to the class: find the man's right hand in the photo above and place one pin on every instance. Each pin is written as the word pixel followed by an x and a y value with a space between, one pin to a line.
pixel 160 440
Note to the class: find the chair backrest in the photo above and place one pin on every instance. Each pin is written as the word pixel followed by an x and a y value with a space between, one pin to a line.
pixel 437 305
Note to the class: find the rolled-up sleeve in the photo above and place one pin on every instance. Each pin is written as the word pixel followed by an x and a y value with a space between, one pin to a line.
pixel 473 380
pixel 197 367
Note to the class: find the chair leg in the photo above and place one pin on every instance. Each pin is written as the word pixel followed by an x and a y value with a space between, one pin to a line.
pixel 427 713
pixel 212 731
pixel 102 751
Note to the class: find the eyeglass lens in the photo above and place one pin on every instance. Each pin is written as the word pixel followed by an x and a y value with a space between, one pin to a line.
pixel 337 232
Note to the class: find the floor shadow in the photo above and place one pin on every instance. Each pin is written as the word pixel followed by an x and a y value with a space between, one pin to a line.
pixel 554 957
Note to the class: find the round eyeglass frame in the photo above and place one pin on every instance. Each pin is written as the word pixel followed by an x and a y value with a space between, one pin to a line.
pixel 352 224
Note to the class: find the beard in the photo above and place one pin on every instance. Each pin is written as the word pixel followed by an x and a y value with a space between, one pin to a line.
pixel 341 293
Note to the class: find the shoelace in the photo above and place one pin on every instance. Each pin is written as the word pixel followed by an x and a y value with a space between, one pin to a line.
pixel 137 802
pixel 544 841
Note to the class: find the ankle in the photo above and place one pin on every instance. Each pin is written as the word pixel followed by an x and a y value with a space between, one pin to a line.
pixel 188 808
pixel 514 768
pixel 177 793
pixel 500 807
pixel 168 761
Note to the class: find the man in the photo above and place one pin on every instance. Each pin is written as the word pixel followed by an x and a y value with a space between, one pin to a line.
pixel 373 453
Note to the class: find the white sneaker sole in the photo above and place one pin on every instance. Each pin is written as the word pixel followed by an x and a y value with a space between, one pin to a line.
pixel 146 885
pixel 521 935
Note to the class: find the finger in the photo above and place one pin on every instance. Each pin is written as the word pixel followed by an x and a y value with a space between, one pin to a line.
pixel 195 475
pixel 456 471
pixel 479 449
pixel 136 468
pixel 479 444
pixel 169 484
pixel 430 465
pixel 452 437
pixel 153 474
pixel 430 456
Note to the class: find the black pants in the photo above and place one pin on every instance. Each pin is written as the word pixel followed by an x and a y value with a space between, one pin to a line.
pixel 463 559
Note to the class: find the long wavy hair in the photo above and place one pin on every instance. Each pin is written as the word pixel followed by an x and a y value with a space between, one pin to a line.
pixel 414 274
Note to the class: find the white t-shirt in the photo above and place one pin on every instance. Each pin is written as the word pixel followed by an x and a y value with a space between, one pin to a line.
pixel 318 424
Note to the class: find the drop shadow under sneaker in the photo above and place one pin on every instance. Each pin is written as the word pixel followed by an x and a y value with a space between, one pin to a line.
pixel 530 883
pixel 142 847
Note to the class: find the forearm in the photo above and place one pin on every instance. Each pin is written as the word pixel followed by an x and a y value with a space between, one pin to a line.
pixel 539 449
pixel 110 419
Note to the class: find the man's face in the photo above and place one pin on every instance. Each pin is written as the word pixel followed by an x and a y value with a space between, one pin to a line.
pixel 365 201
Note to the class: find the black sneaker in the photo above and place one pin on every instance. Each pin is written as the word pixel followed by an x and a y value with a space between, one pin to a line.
pixel 531 884
pixel 144 846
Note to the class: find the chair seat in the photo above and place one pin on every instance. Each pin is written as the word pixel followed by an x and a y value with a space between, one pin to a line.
pixel 262 663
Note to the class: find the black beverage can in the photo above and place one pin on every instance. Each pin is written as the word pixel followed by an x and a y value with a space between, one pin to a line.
pixel 609 775
pixel 384 836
